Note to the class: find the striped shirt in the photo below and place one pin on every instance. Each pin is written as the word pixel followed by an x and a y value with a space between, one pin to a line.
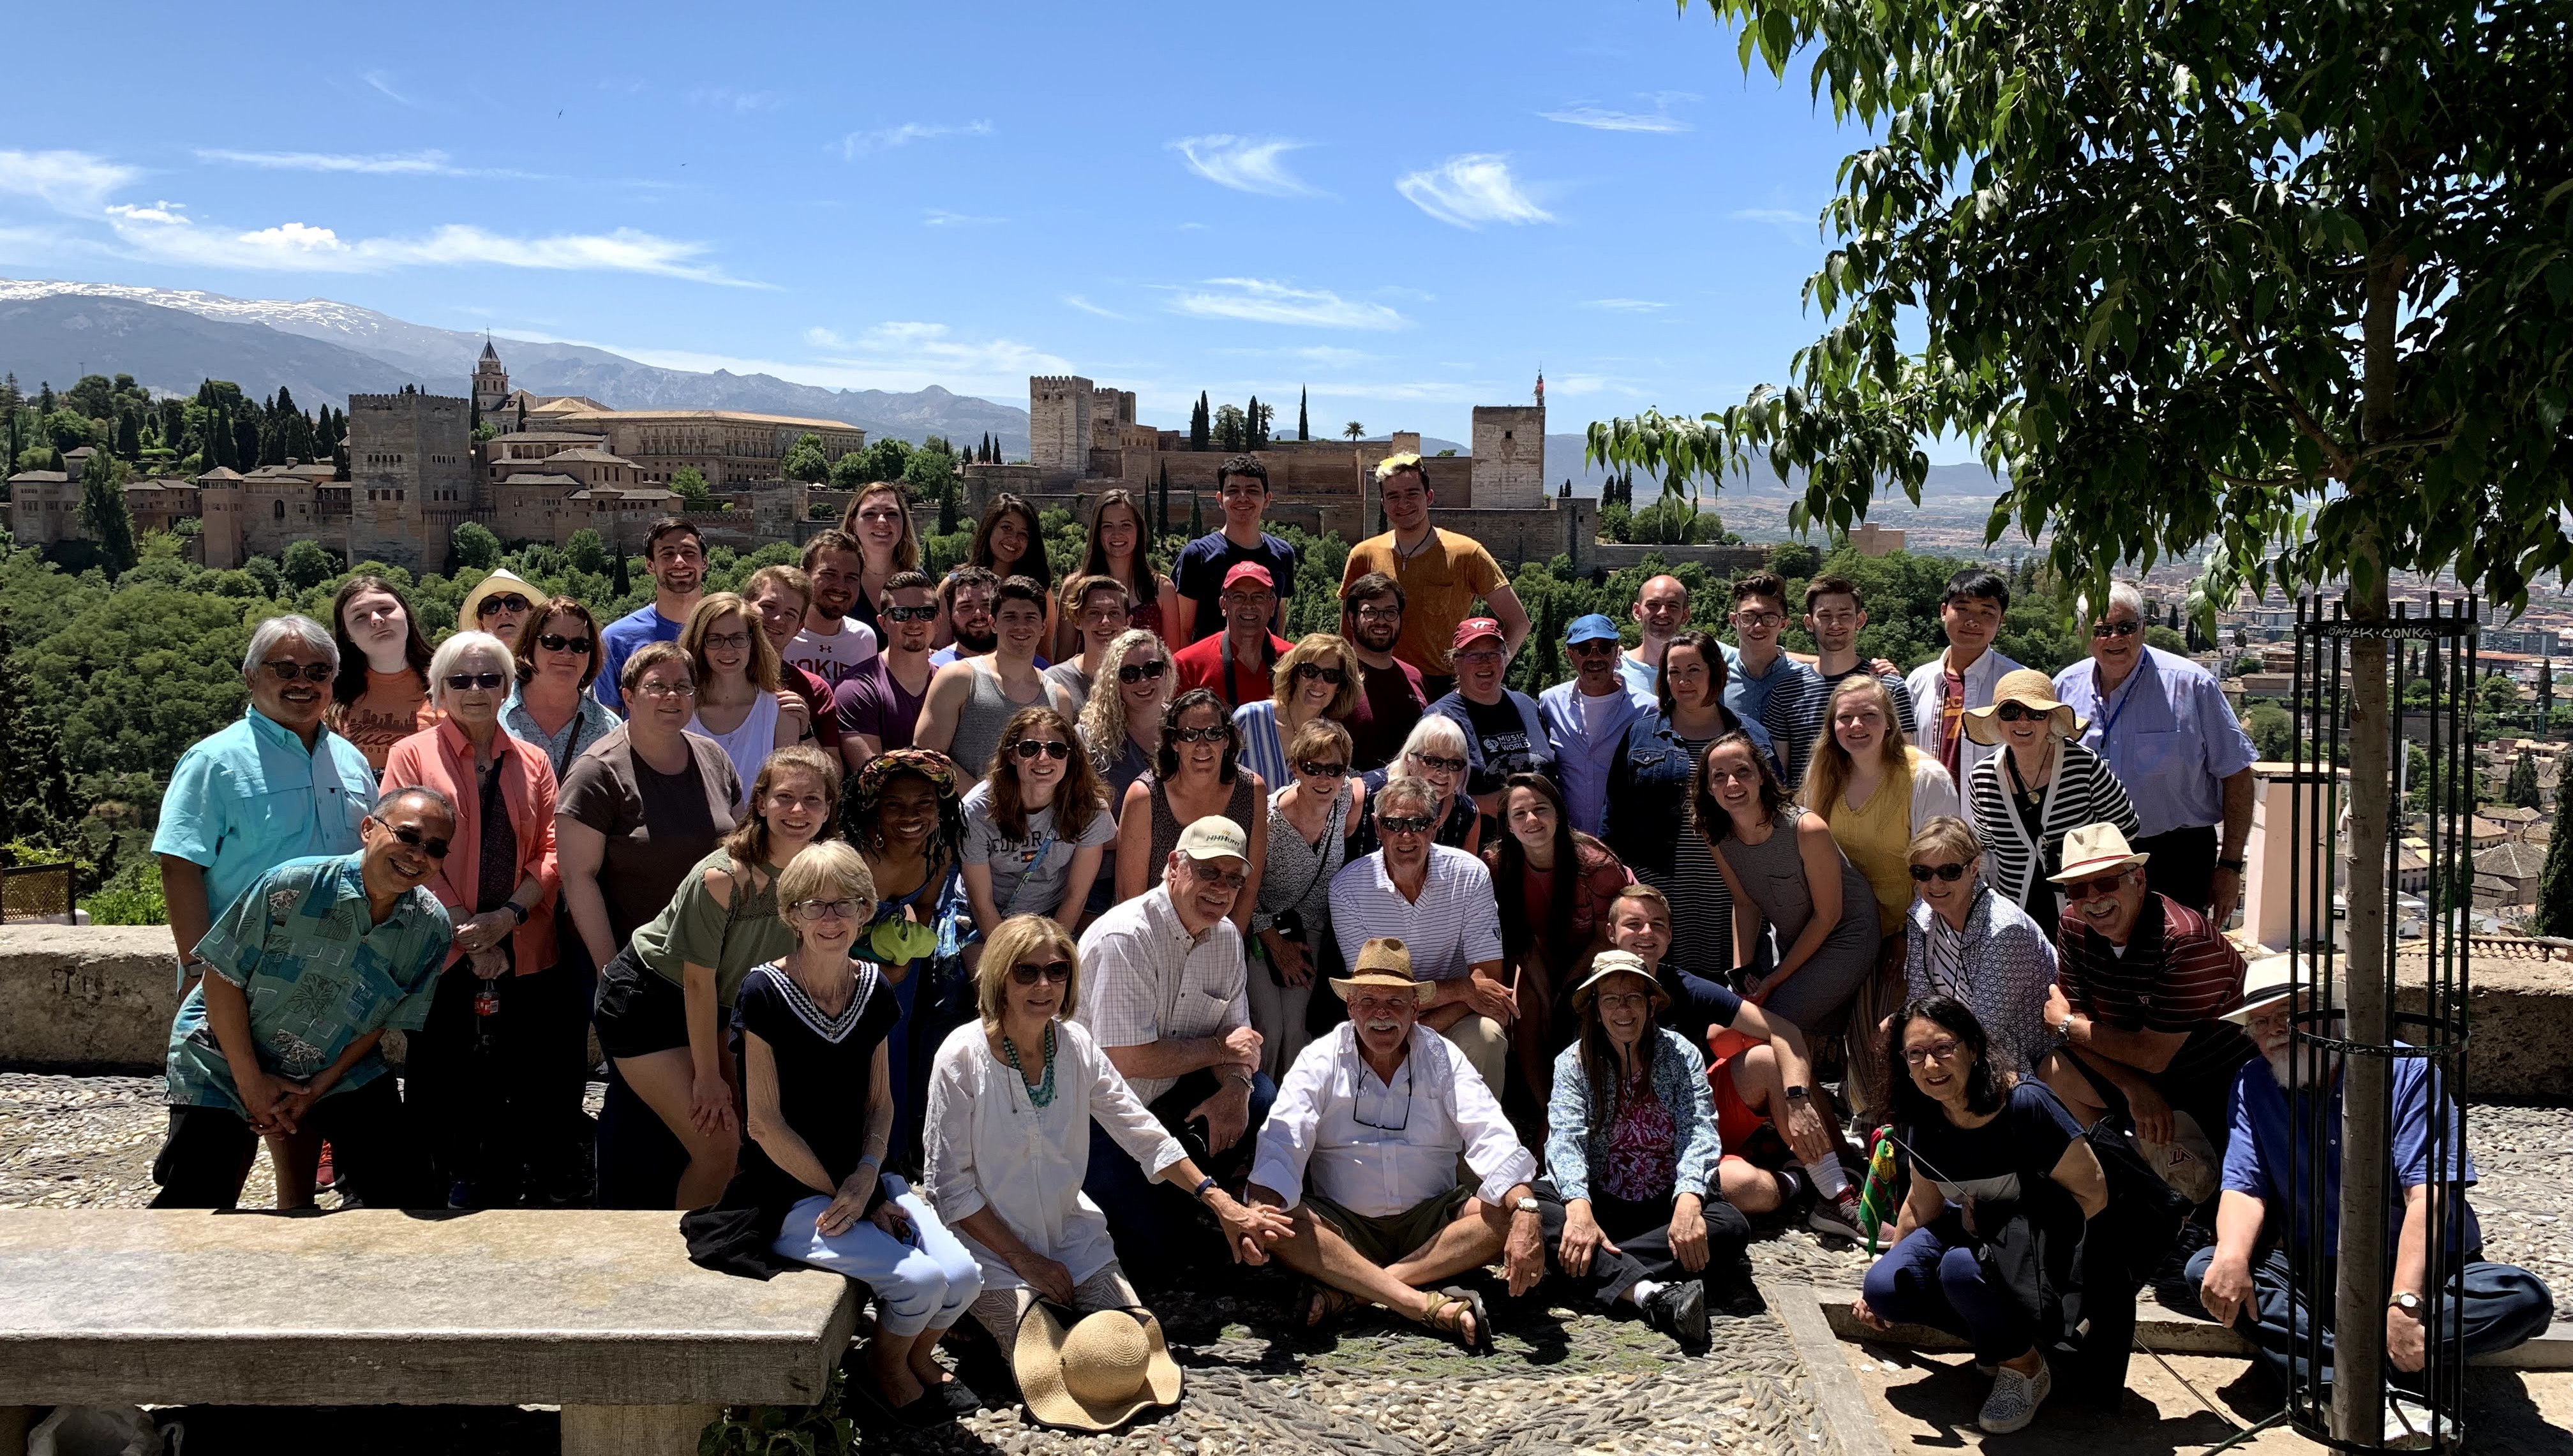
pixel 2082 791
pixel 1144 979
pixel 1453 927
pixel 2177 976
pixel 1794 717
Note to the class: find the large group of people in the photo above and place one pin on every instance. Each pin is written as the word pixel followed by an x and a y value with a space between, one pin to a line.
pixel 985 939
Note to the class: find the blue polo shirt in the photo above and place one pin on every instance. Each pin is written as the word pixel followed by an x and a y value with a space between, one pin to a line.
pixel 621 639
pixel 2266 1134
pixel 2168 735
pixel 248 798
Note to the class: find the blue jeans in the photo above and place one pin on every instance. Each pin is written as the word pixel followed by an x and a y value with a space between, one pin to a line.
pixel 1150 1221
pixel 2489 1307
pixel 1933 1277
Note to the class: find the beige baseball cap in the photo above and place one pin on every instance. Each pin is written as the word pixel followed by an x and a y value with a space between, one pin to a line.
pixel 1214 838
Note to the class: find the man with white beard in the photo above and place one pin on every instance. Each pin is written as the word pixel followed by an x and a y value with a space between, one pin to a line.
pixel 2487 1306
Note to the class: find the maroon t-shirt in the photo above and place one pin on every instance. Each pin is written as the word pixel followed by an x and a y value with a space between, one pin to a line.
pixel 1390 701
pixel 872 701
pixel 818 705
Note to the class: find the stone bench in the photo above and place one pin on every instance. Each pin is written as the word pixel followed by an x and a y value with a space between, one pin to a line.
pixel 599 1313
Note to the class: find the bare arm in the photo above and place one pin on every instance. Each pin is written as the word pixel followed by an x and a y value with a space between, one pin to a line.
pixel 1175 1057
pixel 1512 616
pixel 936 730
pixel 1135 843
pixel 794 723
pixel 578 850
pixel 2077 1172
pixel 978 889
pixel 1076 881
pixel 856 748
pixel 1746 915
pixel 1185 608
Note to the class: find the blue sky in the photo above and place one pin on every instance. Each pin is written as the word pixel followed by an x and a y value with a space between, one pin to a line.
pixel 1408 208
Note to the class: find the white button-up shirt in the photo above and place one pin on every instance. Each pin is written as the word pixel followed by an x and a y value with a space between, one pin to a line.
pixel 991 1148
pixel 1144 979
pixel 1379 1148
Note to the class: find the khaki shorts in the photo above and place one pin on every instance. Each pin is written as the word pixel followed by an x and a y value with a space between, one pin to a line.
pixel 1390 1240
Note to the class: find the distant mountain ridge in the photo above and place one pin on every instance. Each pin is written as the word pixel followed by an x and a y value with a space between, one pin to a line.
pixel 323 349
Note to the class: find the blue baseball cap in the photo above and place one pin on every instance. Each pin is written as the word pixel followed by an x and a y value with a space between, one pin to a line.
pixel 1592 628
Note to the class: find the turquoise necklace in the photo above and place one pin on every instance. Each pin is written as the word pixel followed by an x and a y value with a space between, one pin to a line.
pixel 1042 1095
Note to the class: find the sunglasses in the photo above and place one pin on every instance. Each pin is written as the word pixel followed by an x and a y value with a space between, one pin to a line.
pixel 1201 735
pixel 1443 765
pixel 2115 629
pixel 1026 973
pixel 1403 825
pixel 1054 748
pixel 2094 889
pixel 1313 770
pixel 908 614
pixel 1221 879
pixel 1307 671
pixel 2016 711
pixel 468 681
pixel 557 642
pixel 436 849
pixel 509 603
pixel 1950 873
pixel 310 672
pixel 1135 672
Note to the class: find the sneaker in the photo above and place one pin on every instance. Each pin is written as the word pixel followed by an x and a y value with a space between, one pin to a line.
pixel 1678 1309
pixel 2410 1425
pixel 1838 1217
pixel 2015 1399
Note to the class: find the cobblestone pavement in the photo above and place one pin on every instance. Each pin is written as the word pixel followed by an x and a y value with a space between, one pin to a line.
pixel 1562 1380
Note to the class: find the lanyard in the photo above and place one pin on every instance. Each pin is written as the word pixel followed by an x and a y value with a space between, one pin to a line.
pixel 2112 725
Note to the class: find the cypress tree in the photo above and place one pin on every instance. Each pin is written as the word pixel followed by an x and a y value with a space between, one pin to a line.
pixel 1303 427
pixel 104 513
pixel 1252 438
pixel 1196 516
pixel 1162 512
pixel 619 581
pixel 1200 423
pixel 2545 693
pixel 2521 791
pixel 2555 882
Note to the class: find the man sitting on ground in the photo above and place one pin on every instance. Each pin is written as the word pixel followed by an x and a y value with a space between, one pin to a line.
pixel 1362 1150
pixel 304 974
pixel 1439 902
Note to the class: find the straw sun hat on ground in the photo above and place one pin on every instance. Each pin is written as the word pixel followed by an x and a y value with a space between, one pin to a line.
pixel 1110 1366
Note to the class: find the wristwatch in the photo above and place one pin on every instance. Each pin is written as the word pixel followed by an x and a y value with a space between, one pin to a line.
pixel 2235 865
pixel 2407 1302
pixel 1204 1183
pixel 1525 1206
pixel 1795 1093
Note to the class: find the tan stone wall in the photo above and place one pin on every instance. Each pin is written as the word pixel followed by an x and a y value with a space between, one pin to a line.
pixel 1059 422
pixel 44 512
pixel 411 476
pixel 1510 456
pixel 219 545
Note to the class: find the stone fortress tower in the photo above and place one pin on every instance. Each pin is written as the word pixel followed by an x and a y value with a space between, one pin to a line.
pixel 1510 455
pixel 411 476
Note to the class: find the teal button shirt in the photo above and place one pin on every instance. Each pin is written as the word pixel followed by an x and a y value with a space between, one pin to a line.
pixel 247 799
pixel 319 975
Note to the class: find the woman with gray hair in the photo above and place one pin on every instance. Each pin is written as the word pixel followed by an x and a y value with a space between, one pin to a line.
pixel 1435 753
pixel 474 1068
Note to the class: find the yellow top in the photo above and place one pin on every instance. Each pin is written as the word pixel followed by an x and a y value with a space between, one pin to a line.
pixel 1876 837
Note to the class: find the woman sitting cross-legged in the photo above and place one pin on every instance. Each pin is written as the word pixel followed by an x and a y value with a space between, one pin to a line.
pixel 811 1190
pixel 1984 1146
pixel 1011 1101
pixel 1630 1201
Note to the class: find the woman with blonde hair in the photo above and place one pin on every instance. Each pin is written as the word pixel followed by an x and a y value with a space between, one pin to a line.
pixel 1011 1103
pixel 880 518
pixel 811 1190
pixel 1315 678
pixel 739 703
pixel 1120 729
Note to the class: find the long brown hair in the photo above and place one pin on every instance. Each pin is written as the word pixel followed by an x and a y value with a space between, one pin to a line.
pixel 712 608
pixel 748 843
pixel 1573 850
pixel 1827 773
pixel 906 551
pixel 1713 821
pixel 350 684
pixel 1033 566
pixel 1093 559
pixel 1078 800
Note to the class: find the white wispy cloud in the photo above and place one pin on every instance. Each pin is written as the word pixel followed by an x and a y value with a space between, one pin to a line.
pixel 73 182
pixel 1471 190
pixel 303 248
pixel 1076 300
pixel 942 218
pixel 726 98
pixel 385 164
pixel 1600 119
pixel 1783 217
pixel 1626 306
pixel 1264 301
pixel 1244 164
pixel 858 144
pixel 906 355
pixel 382 80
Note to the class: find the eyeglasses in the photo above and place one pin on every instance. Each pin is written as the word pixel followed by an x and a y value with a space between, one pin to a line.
pixel 436 849
pixel 1312 770
pixel 460 682
pixel 1935 1052
pixel 512 602
pixel 825 909
pixel 1135 672
pixel 2015 711
pixel 1608 1001
pixel 2094 889
pixel 310 672
pixel 1480 656
pixel 908 614
pixel 1379 614
pixel 557 642
pixel 1759 619
pixel 1948 873
pixel 1225 879
pixel 1307 671
pixel 725 641
pixel 1215 734
pixel 1054 748
pixel 1442 765
pixel 1029 974
pixel 1358 1109
pixel 2115 629
pixel 654 689
pixel 1403 824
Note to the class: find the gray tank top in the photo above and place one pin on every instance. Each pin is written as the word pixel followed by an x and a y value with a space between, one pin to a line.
pixel 1772 875
pixel 985 711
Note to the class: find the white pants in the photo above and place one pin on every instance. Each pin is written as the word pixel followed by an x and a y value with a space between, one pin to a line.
pixel 926 1283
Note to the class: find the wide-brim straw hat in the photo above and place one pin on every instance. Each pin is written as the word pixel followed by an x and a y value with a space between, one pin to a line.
pixel 1618 963
pixel 1110 1366
pixel 2271 979
pixel 468 619
pixel 2029 688
pixel 1384 960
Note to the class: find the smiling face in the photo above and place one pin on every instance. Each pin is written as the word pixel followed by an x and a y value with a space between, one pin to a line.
pixel 1531 819
pixel 830 921
pixel 907 813
pixel 1243 497
pixel 1479 664
pixel 837 581
pixel 1314 685
pixel 1834 621
pixel 879 524
pixel 478 706
pixel 781 613
pixel 666 698
pixel 1376 621
pixel 727 647
pixel 295 701
pixel 565 663
pixel 1203 758
pixel 1757 621
pixel 1016 625
pixel 1662 607
pixel 1642 927
pixel 1694 683
pixel 1102 616
pixel 397 841
pixel 1143 696
pixel 2028 733
pixel 970 617
pixel 1594 667
pixel 678 565
pixel 796 809
pixel 2111 908
pixel 1948 899
pixel 1038 1002
pixel 1624 1005
pixel 1440 767
pixel 1383 1016
pixel 1246 607
pixel 376 621
pixel 1407 500
pixel 1734 780
pixel 913 632
pixel 1120 530
pixel 1858 725
pixel 1010 539
pixel 1939 1062
pixel 2117 641
pixel 1205 891
pixel 1971 623
pixel 1040 774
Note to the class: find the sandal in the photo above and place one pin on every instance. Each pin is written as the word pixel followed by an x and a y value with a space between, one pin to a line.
pixel 1446 1314
pixel 1314 1305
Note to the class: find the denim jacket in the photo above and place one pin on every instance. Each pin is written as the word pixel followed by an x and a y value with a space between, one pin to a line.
pixel 1572 1150
pixel 1647 798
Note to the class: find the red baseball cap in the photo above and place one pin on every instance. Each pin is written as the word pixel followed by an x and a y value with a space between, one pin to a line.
pixel 1249 571
pixel 1473 627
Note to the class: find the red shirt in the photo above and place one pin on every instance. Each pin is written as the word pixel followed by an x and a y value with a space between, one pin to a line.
pixel 817 705
pixel 1204 664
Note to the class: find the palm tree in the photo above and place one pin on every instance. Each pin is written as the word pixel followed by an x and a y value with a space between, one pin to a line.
pixel 1356 432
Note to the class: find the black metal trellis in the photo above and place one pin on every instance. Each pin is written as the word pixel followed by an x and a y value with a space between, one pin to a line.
pixel 2428 1041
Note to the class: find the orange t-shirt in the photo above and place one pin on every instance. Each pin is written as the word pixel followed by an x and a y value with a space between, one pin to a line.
pixel 1439 584
pixel 394 707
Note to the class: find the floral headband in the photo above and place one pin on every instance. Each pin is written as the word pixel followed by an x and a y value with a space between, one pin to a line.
pixel 935 767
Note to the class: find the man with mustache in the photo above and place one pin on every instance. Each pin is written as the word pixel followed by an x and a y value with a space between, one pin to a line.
pixel 2144 982
pixel 966 597
pixel 1362 1148
pixel 1391 692
pixel 304 974
pixel 674 556
pixel 2486 1306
